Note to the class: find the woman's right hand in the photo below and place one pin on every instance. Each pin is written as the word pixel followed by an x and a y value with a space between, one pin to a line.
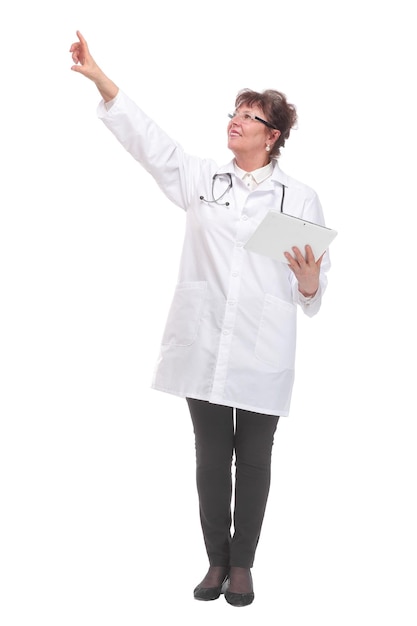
pixel 81 56
pixel 85 64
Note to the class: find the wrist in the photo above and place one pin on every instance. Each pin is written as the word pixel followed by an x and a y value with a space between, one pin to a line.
pixel 108 90
pixel 307 294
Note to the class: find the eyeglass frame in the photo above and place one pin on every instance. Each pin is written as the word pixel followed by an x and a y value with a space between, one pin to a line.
pixel 253 118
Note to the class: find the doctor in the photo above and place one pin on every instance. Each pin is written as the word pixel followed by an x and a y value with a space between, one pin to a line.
pixel 229 342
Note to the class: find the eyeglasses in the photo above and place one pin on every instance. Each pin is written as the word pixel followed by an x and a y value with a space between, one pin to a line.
pixel 247 118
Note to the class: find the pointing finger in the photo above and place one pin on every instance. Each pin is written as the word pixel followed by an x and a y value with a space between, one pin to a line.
pixel 81 38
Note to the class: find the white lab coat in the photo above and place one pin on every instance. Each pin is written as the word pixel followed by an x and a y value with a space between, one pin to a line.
pixel 230 336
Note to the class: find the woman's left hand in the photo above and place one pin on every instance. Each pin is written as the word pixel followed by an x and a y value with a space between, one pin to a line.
pixel 306 270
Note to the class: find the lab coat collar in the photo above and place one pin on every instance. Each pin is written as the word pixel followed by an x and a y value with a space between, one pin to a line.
pixel 278 175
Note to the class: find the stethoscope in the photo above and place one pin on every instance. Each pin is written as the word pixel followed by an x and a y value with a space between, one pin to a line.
pixel 217 200
pixel 229 186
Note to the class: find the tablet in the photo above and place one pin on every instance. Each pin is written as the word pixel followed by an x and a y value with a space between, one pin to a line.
pixel 279 232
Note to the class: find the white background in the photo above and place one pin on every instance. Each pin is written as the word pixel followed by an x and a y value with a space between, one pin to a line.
pixel 99 520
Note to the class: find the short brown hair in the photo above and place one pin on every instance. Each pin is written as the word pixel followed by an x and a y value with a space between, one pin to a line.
pixel 277 110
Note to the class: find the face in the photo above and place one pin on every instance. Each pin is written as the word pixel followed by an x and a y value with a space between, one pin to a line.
pixel 248 136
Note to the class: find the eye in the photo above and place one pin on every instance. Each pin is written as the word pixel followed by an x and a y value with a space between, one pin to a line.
pixel 247 117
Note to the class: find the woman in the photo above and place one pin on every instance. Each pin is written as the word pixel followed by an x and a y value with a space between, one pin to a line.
pixel 229 341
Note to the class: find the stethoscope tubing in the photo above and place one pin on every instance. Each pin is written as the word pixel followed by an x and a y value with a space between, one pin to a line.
pixel 229 186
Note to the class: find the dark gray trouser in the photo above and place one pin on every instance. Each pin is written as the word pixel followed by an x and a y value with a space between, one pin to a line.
pixel 217 437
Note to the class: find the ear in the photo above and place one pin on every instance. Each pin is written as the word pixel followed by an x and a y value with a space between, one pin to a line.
pixel 273 135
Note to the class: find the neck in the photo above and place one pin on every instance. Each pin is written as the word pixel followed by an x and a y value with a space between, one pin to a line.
pixel 249 163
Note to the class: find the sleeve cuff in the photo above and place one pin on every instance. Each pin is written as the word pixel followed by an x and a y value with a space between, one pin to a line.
pixel 308 299
pixel 108 105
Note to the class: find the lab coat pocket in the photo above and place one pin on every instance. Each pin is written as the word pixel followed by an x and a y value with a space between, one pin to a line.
pixel 275 343
pixel 185 314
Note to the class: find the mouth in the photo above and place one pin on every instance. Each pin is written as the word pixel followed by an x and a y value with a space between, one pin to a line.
pixel 233 133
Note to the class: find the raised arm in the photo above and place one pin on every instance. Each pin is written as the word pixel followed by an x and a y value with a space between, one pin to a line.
pixel 85 64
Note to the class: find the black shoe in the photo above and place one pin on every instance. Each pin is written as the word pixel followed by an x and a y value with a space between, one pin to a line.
pixel 211 593
pixel 240 599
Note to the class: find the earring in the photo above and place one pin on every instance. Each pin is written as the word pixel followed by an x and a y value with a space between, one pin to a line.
pixel 268 147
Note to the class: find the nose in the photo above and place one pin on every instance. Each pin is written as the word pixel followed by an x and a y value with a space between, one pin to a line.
pixel 235 120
